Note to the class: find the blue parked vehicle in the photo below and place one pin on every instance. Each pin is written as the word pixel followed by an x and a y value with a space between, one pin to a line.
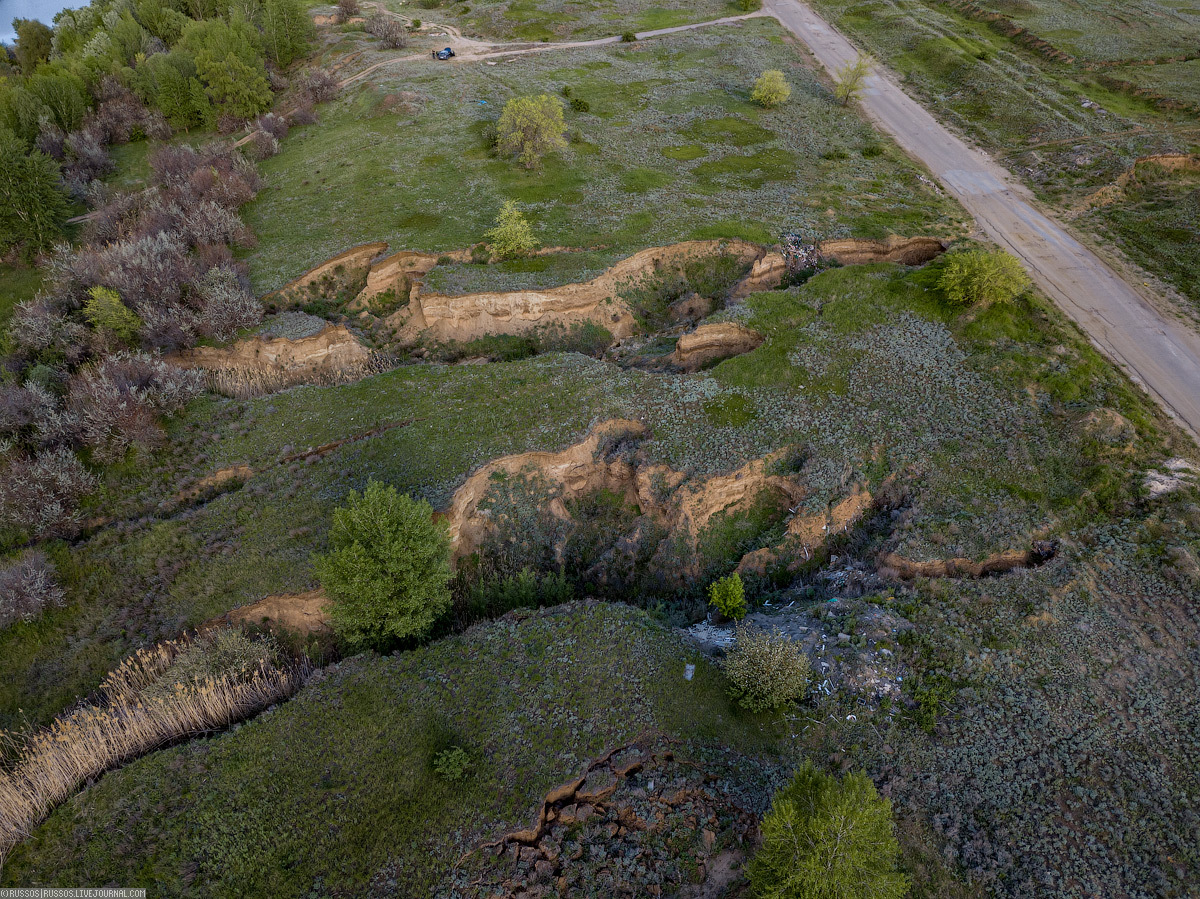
pixel 443 54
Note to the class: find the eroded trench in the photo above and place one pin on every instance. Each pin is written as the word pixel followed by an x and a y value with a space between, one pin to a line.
pixel 661 294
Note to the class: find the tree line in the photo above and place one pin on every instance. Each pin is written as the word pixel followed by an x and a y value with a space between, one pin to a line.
pixel 120 70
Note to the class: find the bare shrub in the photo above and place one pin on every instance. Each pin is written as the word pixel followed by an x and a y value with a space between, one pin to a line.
pixel 148 272
pixel 766 670
pixel 172 164
pixel 170 327
pixel 119 115
pixel 274 125
pixel 347 9
pixel 136 717
pixel 119 401
pixel 38 327
pixel 87 159
pixel 50 139
pixel 303 114
pixel 318 85
pixel 208 222
pixel 226 305
pixel 262 146
pixel 27 587
pixel 41 493
pixel 391 33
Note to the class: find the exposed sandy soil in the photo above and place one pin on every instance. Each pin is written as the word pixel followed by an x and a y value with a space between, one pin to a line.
pixel 1171 162
pixel 1041 552
pixel 257 365
pixel 216 482
pixel 673 511
pixel 902 250
pixel 353 259
pixel 806 534
pixel 470 316
pixel 301 613
pixel 710 343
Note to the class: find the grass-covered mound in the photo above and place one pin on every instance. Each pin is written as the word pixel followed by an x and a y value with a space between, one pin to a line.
pixel 336 790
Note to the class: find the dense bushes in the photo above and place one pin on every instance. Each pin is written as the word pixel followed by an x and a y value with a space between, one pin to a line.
pixel 108 74
pixel 27 587
pixel 828 839
pixel 391 32
pixel 980 277
pixel 156 271
pixel 388 568
pixel 766 670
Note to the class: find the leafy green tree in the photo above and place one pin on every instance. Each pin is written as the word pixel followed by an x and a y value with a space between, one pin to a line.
pixel 106 312
pixel 168 82
pixel 531 127
pixel 771 89
pixel 32 205
pixel 979 277
pixel 828 839
pixel 287 30
pixel 127 39
pixel 63 96
pixel 512 235
pixel 851 78
pixel 728 596
pixel 164 22
pixel 33 43
pixel 388 568
pixel 230 65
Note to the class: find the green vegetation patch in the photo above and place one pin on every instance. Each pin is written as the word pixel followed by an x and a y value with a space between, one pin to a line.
pixel 339 787
pixel 728 130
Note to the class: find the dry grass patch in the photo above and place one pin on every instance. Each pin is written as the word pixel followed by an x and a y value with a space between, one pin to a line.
pixel 181 688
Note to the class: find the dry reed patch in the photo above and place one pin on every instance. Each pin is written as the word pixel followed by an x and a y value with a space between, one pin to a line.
pixel 181 688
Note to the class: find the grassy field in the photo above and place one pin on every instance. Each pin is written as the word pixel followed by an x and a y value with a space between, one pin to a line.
pixel 841 382
pixel 560 20
pixel 1106 31
pixel 335 790
pixel 669 126
pixel 1055 125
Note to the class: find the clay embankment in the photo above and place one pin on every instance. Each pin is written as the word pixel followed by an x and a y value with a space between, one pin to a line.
pixel 672 512
pixel 352 260
pixel 1169 162
pixel 807 534
pixel 711 343
pixel 256 366
pixel 301 613
pixel 901 250
pixel 471 316
pixel 1041 552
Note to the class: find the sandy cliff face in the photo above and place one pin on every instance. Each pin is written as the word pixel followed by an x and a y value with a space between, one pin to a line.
pixel 710 343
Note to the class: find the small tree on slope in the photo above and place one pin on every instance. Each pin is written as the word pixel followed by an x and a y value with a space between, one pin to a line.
pixel 388 568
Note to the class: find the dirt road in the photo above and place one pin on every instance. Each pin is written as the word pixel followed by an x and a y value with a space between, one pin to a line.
pixel 1161 354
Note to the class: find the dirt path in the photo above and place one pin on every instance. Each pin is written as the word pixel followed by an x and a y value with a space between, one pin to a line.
pixel 1161 354
pixel 471 50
